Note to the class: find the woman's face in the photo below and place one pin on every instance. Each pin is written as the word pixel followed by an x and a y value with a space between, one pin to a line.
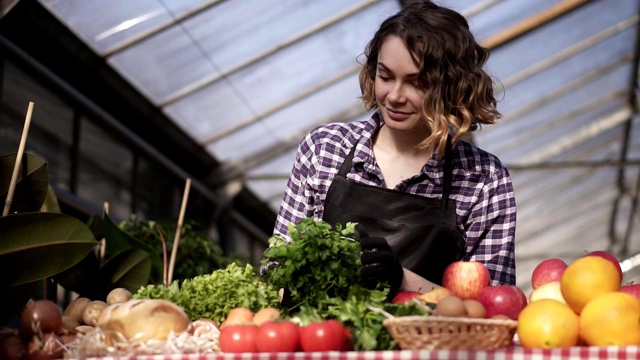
pixel 398 92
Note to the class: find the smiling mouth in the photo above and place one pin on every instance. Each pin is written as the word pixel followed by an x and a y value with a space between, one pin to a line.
pixel 397 115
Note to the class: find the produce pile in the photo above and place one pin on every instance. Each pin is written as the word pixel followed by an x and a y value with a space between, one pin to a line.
pixel 235 309
pixel 318 270
pixel 580 303
pixel 309 299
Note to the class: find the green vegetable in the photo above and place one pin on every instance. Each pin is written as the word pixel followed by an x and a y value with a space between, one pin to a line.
pixel 318 263
pixel 320 266
pixel 213 296
pixel 366 324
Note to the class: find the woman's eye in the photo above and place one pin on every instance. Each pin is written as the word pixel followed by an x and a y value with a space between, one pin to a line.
pixel 384 78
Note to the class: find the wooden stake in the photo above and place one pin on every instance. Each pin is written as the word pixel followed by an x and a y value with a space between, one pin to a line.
pixel 176 240
pixel 165 277
pixel 16 168
pixel 102 248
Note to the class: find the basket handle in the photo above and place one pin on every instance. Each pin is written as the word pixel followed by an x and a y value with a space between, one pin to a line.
pixel 379 311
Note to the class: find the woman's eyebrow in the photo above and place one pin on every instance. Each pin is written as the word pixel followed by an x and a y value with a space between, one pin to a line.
pixel 383 67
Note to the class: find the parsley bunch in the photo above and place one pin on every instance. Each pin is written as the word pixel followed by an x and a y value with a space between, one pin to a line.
pixel 355 311
pixel 317 263
pixel 320 267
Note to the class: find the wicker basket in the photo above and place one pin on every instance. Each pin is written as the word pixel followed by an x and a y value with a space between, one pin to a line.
pixel 450 333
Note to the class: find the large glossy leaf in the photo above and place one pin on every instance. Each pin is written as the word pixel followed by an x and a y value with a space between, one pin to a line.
pixel 40 244
pixel 31 186
pixel 130 269
pixel 119 241
pixel 81 277
pixel 51 201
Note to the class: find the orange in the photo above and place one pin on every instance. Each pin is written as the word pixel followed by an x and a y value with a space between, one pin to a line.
pixel 548 324
pixel 586 278
pixel 611 319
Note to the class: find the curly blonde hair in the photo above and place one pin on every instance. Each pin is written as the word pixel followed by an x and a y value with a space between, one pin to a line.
pixel 458 92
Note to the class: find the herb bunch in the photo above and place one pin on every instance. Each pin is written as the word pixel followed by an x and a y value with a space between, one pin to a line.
pixel 316 263
pixel 356 312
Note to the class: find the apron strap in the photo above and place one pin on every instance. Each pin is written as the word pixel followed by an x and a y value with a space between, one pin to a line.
pixel 448 170
pixel 346 164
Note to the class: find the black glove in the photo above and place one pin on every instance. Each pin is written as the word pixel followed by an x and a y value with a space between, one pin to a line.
pixel 379 264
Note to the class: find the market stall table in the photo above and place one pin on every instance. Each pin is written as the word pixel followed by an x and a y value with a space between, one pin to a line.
pixel 574 353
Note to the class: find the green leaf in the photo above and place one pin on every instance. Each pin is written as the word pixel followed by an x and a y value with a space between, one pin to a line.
pixel 31 185
pixel 51 201
pixel 118 241
pixel 81 277
pixel 129 269
pixel 38 245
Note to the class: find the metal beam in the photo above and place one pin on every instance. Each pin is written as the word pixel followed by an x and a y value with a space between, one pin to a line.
pixel 580 135
pixel 622 188
pixel 532 23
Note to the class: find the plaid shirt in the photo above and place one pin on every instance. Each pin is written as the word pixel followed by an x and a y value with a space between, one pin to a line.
pixel 482 189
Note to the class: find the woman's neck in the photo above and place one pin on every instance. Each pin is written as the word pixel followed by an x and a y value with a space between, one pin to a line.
pixel 401 144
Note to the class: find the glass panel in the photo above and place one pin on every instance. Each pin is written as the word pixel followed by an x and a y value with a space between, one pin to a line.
pixel 278 78
pixel 311 62
pixel 237 31
pixel 292 122
pixel 164 64
pixel 104 25
pixel 104 170
pixel 557 36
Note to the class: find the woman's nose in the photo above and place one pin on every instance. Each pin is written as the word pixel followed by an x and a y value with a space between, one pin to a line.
pixel 396 93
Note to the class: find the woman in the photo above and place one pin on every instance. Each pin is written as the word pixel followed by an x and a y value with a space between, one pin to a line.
pixel 422 196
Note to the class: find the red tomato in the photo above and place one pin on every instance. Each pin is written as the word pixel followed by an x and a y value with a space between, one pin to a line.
pixel 326 335
pixel 347 345
pixel 238 339
pixel 281 336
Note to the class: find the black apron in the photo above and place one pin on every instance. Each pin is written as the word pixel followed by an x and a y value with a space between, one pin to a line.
pixel 423 232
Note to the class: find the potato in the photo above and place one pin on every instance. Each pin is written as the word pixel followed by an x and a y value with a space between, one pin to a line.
pixel 266 314
pixel 69 323
pixel 83 329
pixel 118 295
pixel 75 308
pixel 92 311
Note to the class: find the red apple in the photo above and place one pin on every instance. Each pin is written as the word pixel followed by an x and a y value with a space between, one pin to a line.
pixel 609 256
pixel 403 297
pixel 633 289
pixel 465 279
pixel 547 271
pixel 506 300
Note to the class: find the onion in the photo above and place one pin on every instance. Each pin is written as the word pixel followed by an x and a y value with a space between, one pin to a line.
pixel 40 316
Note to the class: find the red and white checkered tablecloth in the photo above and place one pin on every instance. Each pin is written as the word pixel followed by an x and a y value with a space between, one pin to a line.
pixel 574 353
